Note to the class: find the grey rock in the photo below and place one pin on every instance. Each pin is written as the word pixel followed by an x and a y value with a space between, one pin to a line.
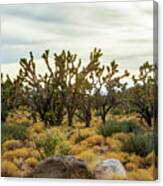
pixel 66 167
pixel 108 168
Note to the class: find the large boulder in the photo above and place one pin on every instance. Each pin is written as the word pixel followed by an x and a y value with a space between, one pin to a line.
pixel 110 168
pixel 61 167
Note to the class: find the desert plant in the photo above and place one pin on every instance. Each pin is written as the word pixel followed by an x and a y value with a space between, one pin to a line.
pixel 42 91
pixel 140 144
pixel 105 100
pixel 53 144
pixel 74 83
pixel 10 169
pixel 13 131
pixel 12 95
pixel 120 126
pixel 142 97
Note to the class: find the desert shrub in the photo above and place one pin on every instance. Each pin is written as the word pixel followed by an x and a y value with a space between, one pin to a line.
pixel 77 149
pixel 119 126
pixel 121 136
pixel 90 157
pixel 141 174
pixel 140 144
pixel 113 144
pixel 63 148
pixel 87 155
pixel 17 153
pixel 130 166
pixel 136 159
pixel 13 131
pixel 82 134
pixel 9 169
pixel 20 116
pixel 54 143
pixel 117 111
pixel 150 159
pixel 121 156
pixel 31 161
pixel 11 144
pixel 93 140
pixel 36 128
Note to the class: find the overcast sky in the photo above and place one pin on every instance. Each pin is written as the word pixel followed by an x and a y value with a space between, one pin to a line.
pixel 123 30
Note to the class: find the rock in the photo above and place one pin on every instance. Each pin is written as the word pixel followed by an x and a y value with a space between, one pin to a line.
pixel 109 168
pixel 61 167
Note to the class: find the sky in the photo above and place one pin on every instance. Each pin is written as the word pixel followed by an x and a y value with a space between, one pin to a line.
pixel 123 30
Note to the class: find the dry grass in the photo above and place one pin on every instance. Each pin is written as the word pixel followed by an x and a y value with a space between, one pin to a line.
pixel 20 157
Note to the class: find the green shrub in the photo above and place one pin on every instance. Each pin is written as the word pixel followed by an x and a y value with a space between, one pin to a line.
pixel 123 126
pixel 54 144
pixel 140 144
pixel 13 131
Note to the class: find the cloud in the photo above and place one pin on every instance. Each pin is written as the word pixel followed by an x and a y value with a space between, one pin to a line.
pixel 123 30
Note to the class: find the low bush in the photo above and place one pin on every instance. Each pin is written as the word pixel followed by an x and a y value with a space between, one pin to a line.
pixel 82 134
pixel 11 144
pixel 130 166
pixel 53 144
pixel 121 156
pixel 113 144
pixel 93 140
pixel 13 131
pixel 140 144
pixel 10 169
pixel 141 174
pixel 17 153
pixel 121 126
pixel 31 161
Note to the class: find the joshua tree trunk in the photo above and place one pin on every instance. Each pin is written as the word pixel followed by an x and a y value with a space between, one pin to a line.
pixel 70 119
pixel 103 117
pixel 87 119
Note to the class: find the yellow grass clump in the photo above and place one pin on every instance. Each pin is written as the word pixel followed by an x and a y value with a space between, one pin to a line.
pixel 17 153
pixel 117 177
pixel 77 149
pixel 90 158
pixel 10 169
pixel 35 153
pixel 81 134
pixel 93 140
pixel 150 159
pixel 130 166
pixel 11 144
pixel 113 144
pixel 122 156
pixel 140 174
pixel 121 136
pixel 31 161
pixel 19 116
pixel 58 131
pixel 35 129
pixel 138 160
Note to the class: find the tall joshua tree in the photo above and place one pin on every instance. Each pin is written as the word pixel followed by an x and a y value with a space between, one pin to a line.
pixel 87 90
pixel 42 91
pixel 73 81
pixel 108 89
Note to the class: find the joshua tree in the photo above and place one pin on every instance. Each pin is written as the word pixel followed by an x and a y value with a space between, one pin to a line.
pixel 73 81
pixel 108 90
pixel 11 95
pixel 143 96
pixel 42 91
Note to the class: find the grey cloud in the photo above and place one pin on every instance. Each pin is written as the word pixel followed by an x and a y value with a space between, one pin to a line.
pixel 123 32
